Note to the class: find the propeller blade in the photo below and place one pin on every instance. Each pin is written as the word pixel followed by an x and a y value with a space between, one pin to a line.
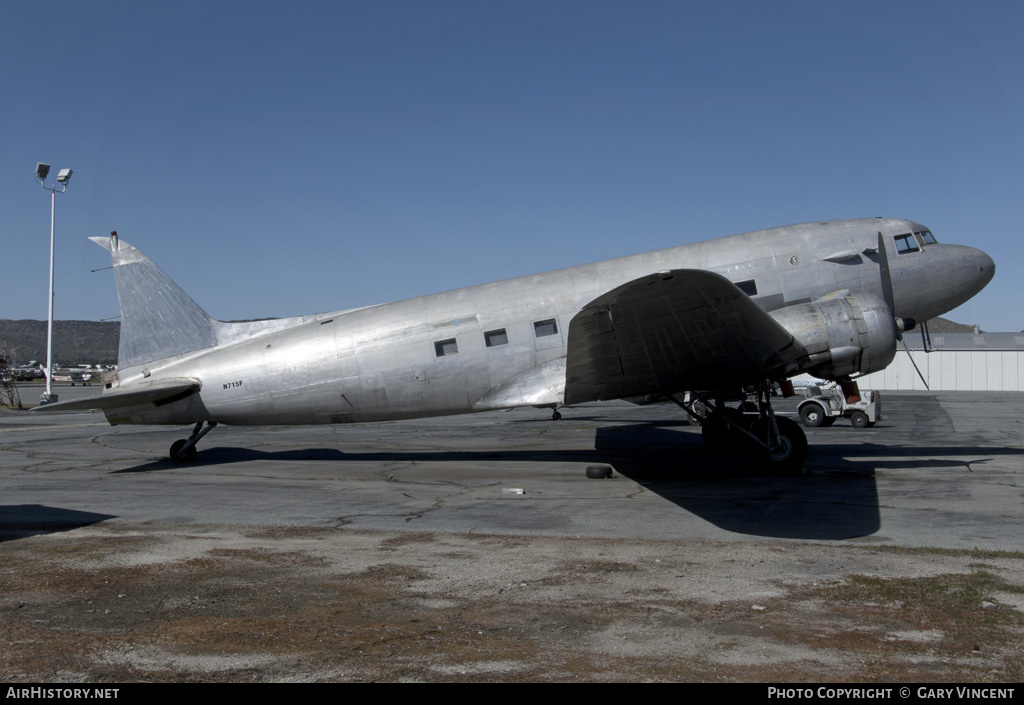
pixel 890 299
pixel 883 267
pixel 918 369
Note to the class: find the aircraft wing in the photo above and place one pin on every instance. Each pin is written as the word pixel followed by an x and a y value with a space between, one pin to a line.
pixel 684 329
pixel 164 390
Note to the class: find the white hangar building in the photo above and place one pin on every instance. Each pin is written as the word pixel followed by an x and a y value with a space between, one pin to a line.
pixel 980 362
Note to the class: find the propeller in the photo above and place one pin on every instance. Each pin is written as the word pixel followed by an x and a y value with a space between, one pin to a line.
pixel 890 301
pixel 926 337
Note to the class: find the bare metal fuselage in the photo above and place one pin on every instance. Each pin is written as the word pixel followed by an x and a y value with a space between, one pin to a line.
pixel 430 356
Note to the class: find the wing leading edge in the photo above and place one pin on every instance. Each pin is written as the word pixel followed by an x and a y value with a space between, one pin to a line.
pixel 684 329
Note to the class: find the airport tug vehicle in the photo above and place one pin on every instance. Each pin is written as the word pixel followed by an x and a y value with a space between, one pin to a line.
pixel 823 409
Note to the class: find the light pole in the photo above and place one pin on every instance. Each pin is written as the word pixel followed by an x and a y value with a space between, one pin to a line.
pixel 63 176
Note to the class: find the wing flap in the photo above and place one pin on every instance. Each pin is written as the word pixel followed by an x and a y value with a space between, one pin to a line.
pixel 685 329
pixel 156 392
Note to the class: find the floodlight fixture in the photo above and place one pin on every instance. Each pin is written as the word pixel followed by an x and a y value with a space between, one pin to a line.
pixel 63 176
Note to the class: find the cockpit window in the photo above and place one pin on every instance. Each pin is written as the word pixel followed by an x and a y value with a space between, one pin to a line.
pixel 905 244
pixel 926 237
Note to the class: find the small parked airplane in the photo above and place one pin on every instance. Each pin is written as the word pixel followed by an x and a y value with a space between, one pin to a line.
pixel 703 323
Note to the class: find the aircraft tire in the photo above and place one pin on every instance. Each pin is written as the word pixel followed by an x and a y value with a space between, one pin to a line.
pixel 859 419
pixel 789 457
pixel 176 454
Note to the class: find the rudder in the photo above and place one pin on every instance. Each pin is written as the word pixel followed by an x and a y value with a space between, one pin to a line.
pixel 158 319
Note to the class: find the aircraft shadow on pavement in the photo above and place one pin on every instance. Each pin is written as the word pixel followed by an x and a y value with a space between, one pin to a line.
pixel 836 498
pixel 18 521
pixel 727 490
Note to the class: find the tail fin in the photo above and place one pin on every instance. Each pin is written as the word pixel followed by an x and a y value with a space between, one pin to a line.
pixel 158 319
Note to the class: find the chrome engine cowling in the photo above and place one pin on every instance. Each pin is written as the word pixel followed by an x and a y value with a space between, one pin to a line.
pixel 843 336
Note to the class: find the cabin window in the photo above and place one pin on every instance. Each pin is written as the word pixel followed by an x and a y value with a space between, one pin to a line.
pixel 748 287
pixel 905 244
pixel 446 347
pixel 545 328
pixel 495 337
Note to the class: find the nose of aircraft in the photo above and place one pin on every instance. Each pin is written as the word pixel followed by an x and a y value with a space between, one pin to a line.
pixel 945 279
pixel 986 269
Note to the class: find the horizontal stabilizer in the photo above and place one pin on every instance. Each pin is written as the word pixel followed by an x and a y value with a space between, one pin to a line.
pixel 164 390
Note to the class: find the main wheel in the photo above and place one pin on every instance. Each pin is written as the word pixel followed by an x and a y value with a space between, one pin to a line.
pixel 788 455
pixel 180 456
pixel 812 415
pixel 859 419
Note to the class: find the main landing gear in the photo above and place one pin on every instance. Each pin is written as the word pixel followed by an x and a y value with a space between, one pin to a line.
pixel 775 443
pixel 556 415
pixel 184 450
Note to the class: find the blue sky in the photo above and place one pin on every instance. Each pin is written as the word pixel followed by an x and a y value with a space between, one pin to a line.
pixel 280 159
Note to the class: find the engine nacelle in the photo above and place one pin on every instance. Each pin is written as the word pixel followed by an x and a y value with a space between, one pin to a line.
pixel 842 336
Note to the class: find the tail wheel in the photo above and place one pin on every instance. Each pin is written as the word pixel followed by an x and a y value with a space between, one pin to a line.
pixel 178 455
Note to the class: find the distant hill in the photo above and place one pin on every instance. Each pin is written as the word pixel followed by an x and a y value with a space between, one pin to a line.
pixel 95 342
pixel 943 325
pixel 74 342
